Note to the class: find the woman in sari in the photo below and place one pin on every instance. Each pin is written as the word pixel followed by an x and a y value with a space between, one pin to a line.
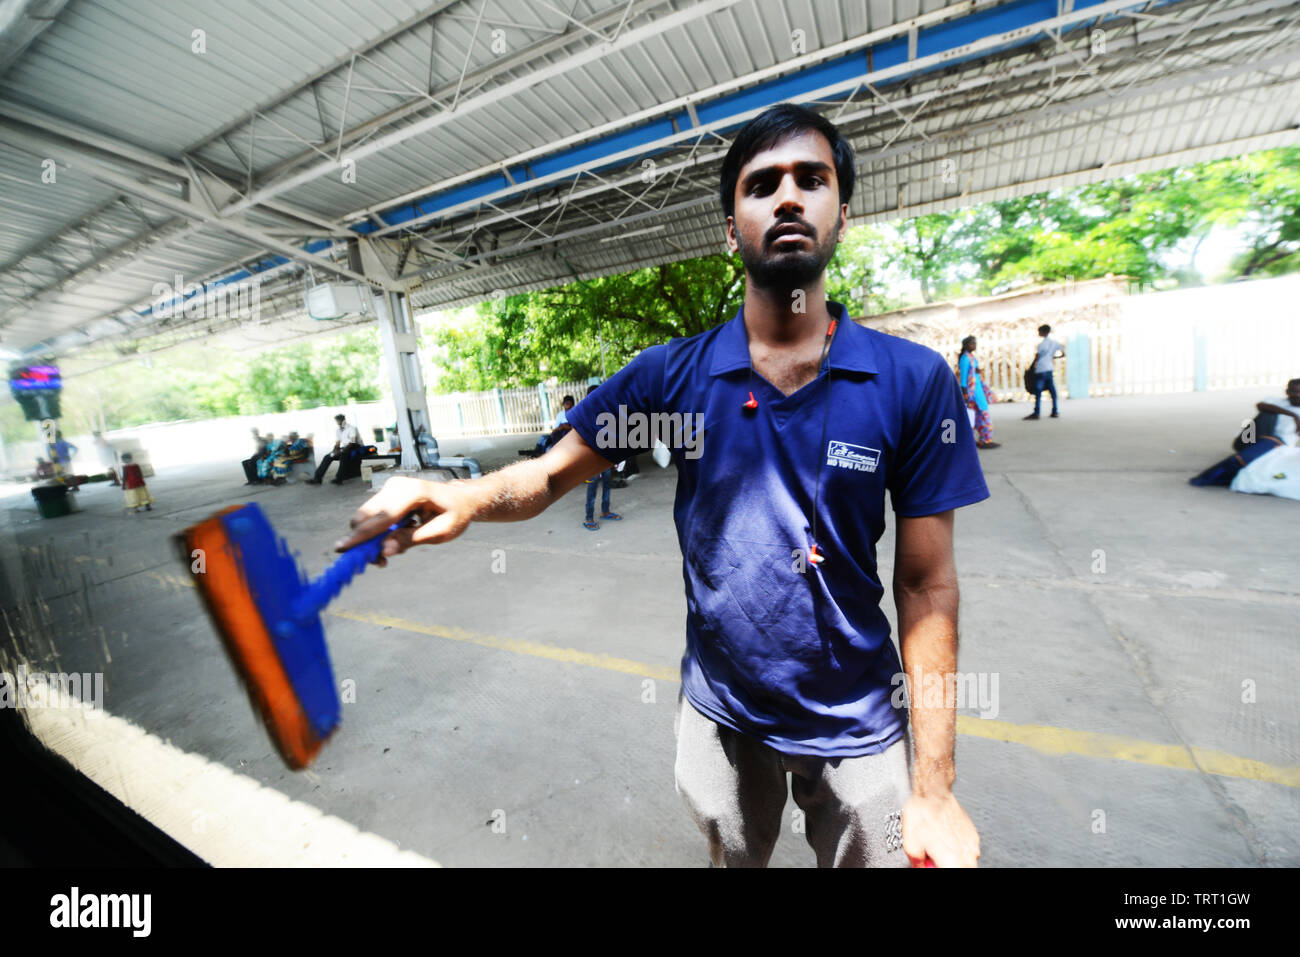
pixel 976 393
pixel 292 451
pixel 266 464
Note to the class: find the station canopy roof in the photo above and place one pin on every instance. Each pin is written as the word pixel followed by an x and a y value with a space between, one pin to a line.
pixel 486 147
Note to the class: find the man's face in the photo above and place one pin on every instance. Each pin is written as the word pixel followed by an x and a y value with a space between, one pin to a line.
pixel 568 404
pixel 1293 393
pixel 788 216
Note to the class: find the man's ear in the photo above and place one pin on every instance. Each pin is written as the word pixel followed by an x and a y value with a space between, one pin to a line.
pixel 731 235
pixel 844 219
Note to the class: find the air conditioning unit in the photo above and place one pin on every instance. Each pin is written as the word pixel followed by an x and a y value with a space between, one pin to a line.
pixel 334 300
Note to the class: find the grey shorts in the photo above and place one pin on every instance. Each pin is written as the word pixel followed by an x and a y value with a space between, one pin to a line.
pixel 850 809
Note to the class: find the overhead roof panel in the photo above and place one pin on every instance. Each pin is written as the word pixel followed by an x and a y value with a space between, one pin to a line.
pixel 535 174
pixel 129 66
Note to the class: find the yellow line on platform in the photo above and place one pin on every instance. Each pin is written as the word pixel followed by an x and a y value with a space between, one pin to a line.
pixel 1058 741
pixel 1042 738
pixel 520 647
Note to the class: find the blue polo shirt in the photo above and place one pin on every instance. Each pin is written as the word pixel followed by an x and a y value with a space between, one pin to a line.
pixel 796 655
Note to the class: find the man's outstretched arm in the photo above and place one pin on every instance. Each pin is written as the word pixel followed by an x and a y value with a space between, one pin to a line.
pixel 512 494
pixel 925 591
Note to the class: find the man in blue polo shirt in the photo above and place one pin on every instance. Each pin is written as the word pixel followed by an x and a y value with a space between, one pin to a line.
pixel 788 425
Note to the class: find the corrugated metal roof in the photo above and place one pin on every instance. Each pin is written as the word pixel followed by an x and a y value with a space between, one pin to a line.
pixel 114 88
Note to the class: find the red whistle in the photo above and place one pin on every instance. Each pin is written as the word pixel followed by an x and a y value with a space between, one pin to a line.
pixel 752 403
pixel 929 862
pixel 815 556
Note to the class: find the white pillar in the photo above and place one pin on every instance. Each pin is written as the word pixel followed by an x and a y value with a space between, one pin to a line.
pixel 402 360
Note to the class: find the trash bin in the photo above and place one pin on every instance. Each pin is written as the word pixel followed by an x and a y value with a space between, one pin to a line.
pixel 52 500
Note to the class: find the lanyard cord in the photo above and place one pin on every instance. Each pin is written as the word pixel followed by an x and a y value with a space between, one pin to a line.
pixel 814 555
pixel 821 445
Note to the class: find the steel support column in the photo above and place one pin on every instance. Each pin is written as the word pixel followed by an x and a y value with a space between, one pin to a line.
pixel 402 360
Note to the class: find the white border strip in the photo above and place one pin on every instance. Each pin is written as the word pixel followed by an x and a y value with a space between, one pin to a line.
pixel 227 819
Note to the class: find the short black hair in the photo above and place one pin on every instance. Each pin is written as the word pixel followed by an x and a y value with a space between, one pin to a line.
pixel 1044 329
pixel 772 126
pixel 1292 382
pixel 567 398
pixel 339 417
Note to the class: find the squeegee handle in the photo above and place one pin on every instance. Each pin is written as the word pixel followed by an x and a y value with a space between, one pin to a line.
pixel 348 566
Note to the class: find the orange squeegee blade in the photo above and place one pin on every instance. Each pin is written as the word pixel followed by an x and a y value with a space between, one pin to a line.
pixel 229 598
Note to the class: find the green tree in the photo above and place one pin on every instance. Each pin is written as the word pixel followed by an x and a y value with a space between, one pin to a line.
pixel 522 340
pixel 1259 195
pixel 858 274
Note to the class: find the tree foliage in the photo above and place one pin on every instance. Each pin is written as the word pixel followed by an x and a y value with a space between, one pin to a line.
pixel 331 371
pixel 523 340
pixel 210 381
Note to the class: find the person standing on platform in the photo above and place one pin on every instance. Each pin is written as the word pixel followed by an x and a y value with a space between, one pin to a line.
pixel 1048 350
pixel 135 492
pixel 977 394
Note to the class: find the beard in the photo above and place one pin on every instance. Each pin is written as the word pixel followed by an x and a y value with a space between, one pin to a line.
pixel 782 270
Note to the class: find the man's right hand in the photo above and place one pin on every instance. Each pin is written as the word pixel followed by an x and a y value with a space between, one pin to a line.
pixel 518 492
pixel 443 508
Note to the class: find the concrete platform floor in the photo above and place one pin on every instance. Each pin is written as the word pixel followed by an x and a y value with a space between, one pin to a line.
pixel 1144 636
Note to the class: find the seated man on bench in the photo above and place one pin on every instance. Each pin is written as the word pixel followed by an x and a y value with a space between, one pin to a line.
pixel 347 452
pixel 557 433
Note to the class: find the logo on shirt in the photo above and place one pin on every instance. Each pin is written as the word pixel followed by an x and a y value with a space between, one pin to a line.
pixel 859 458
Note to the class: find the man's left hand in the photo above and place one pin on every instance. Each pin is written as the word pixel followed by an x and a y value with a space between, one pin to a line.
pixel 937 827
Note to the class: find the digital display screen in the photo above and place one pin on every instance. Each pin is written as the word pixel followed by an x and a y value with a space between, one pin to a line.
pixel 34 378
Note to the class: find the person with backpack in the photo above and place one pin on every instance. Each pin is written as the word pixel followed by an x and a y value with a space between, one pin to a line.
pixel 1048 350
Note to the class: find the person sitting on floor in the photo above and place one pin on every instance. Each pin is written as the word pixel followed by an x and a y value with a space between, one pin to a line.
pixel 1286 425
pixel 1277 471
pixel 1275 427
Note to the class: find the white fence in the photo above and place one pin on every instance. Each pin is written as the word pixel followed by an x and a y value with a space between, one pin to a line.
pixel 500 411
pixel 1235 336
pixel 1240 335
